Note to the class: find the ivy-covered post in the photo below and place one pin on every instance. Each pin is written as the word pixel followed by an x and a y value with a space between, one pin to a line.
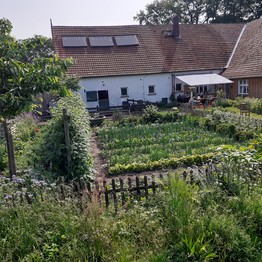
pixel 66 118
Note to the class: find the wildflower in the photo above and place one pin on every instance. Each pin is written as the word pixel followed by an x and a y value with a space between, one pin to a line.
pixel 18 180
pixel 6 196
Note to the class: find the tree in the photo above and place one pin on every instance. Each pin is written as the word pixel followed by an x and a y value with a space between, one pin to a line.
pixel 162 11
pixel 200 11
pixel 24 73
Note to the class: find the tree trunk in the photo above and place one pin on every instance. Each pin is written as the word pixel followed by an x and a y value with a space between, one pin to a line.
pixel 10 150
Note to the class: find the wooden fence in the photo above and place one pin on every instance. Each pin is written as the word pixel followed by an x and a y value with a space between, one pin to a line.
pixel 120 192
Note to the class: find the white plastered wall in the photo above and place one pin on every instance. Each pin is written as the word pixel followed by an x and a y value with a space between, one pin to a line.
pixel 137 88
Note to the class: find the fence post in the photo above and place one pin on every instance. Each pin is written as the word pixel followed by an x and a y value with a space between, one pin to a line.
pixel 146 187
pixel 114 194
pixel 184 174
pixel 191 176
pixel 122 191
pixel 106 194
pixel 66 119
pixel 130 188
pixel 153 184
pixel 137 188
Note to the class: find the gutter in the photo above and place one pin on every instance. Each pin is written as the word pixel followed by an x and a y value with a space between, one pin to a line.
pixel 234 50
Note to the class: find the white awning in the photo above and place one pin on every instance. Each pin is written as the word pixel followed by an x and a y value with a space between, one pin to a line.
pixel 203 79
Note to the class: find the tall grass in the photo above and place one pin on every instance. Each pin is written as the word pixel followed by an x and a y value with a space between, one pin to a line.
pixel 182 223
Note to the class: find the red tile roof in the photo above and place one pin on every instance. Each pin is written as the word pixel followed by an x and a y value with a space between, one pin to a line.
pixel 205 46
pixel 247 59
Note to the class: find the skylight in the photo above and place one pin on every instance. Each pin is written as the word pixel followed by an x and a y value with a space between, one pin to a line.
pixel 101 41
pixel 126 40
pixel 74 41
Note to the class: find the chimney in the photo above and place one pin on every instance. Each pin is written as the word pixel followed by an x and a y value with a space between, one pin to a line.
pixel 175 31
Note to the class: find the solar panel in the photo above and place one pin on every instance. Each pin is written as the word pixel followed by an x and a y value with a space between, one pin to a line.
pixel 100 41
pixel 74 41
pixel 126 40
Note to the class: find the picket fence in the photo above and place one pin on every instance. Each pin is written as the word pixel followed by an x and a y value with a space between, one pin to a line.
pixel 120 192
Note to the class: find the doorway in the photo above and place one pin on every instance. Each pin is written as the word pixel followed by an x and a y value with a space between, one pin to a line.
pixel 103 100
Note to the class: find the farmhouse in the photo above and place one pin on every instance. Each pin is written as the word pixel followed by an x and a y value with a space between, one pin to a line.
pixel 245 65
pixel 149 62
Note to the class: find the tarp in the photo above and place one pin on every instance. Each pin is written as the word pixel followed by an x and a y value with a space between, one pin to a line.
pixel 203 79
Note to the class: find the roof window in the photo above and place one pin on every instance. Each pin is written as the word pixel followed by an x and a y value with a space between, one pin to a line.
pixel 126 40
pixel 74 41
pixel 101 41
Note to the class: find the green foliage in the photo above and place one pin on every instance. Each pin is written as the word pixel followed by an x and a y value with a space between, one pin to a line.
pixel 52 152
pixel 191 223
pixel 150 147
pixel 172 162
pixel 24 130
pixel 150 114
pixel 203 11
pixel 26 72
pixel 3 155
pixel 254 104
pixel 236 127
pixel 49 231
pixel 27 69
pixel 257 145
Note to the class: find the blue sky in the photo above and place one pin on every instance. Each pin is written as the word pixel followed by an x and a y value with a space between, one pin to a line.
pixel 32 17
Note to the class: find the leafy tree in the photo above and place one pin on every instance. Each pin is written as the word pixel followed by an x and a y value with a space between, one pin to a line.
pixel 24 73
pixel 162 11
pixel 200 11
pixel 158 12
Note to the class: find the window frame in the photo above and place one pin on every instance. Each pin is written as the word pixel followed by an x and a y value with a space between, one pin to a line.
pixel 243 84
pixel 124 88
pixel 180 87
pixel 154 89
pixel 92 99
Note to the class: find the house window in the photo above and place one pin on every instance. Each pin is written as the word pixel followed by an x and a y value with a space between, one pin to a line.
pixel 178 87
pixel 124 91
pixel 201 89
pixel 151 90
pixel 243 87
pixel 91 96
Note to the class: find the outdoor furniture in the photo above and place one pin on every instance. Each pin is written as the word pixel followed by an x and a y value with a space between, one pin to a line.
pixel 244 109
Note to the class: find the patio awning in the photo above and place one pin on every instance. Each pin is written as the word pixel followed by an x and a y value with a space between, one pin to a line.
pixel 203 79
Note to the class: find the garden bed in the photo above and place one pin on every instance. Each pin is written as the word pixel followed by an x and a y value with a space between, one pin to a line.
pixel 155 146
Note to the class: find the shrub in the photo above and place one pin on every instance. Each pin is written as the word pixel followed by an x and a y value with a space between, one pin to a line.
pixel 255 104
pixel 150 114
pixel 52 150
pixel 24 129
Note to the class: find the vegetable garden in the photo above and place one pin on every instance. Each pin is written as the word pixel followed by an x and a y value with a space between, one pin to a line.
pixel 189 140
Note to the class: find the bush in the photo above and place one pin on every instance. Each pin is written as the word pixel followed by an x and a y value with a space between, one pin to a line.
pixel 52 149
pixel 255 104
pixel 25 129
pixel 228 124
pixel 150 114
